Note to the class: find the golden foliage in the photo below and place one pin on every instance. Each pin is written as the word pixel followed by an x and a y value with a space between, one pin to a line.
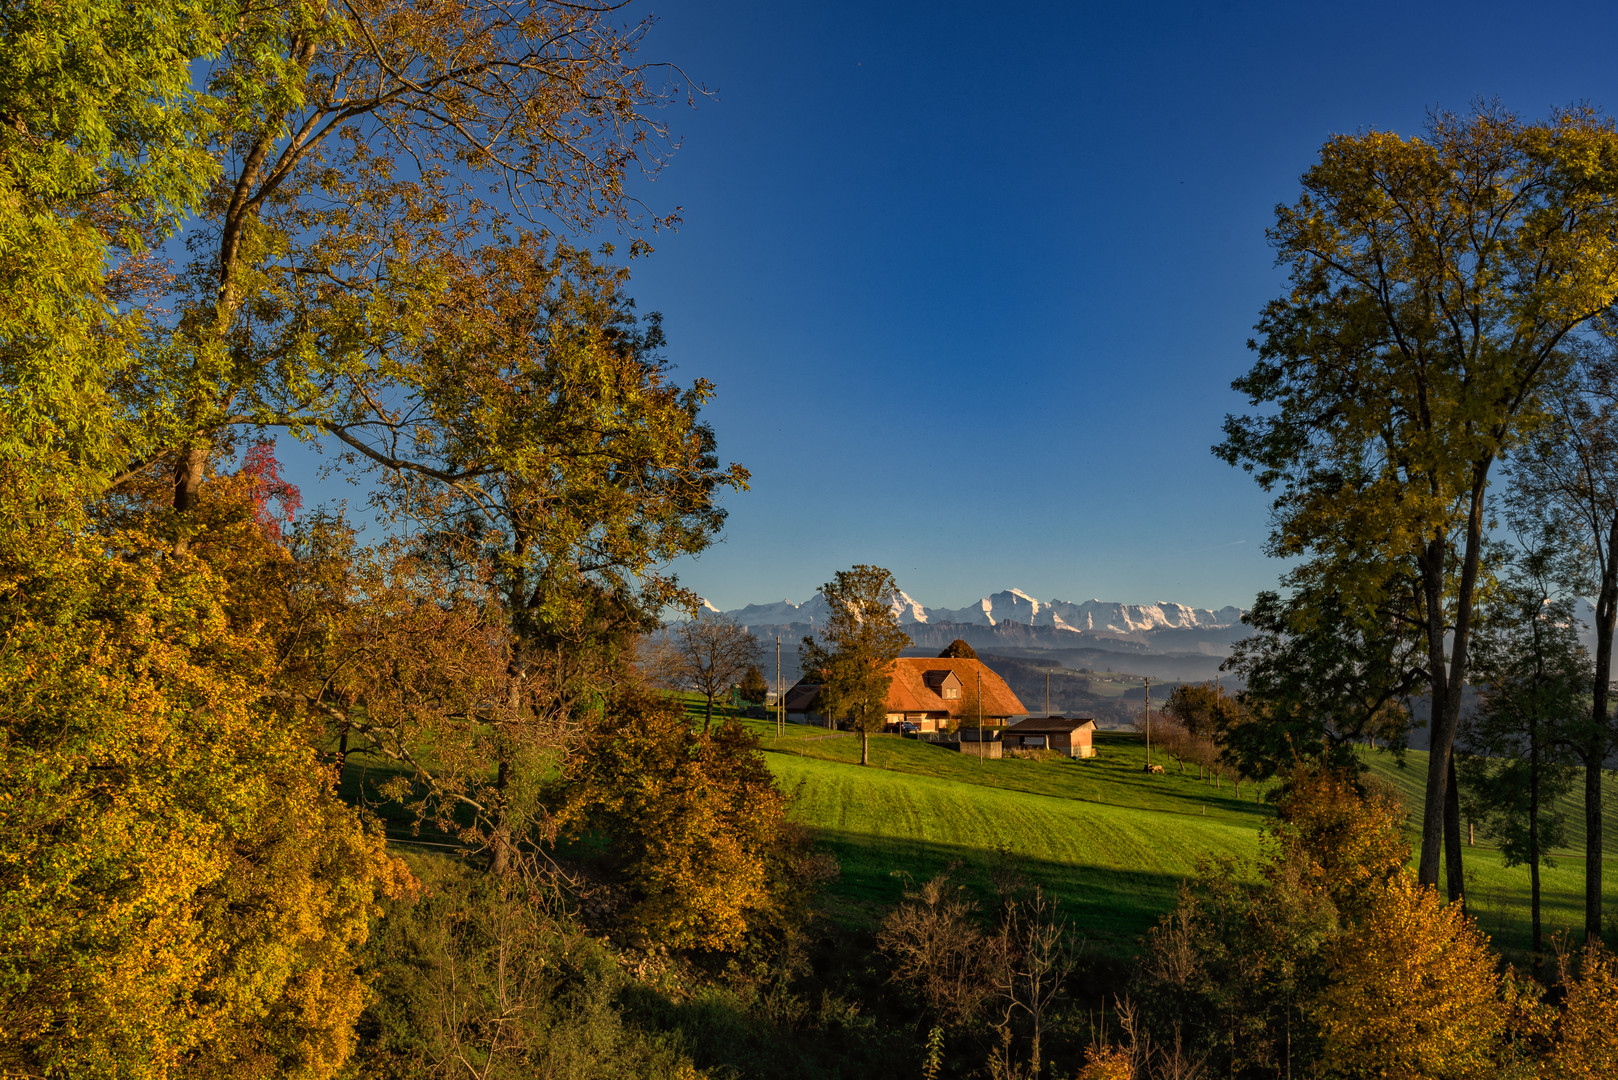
pixel 1337 839
pixel 1106 1063
pixel 180 889
pixel 1413 991
pixel 1586 1046
pixel 694 825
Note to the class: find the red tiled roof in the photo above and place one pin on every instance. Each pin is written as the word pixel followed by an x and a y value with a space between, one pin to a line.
pixel 911 672
pixel 910 693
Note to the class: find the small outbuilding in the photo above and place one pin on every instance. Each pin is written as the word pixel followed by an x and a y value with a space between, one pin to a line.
pixel 1068 735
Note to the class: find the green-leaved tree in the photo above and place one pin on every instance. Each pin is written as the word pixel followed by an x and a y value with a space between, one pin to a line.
pixel 1436 284
pixel 854 658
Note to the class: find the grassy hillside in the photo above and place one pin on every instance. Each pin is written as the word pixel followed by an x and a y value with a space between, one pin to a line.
pixel 1110 841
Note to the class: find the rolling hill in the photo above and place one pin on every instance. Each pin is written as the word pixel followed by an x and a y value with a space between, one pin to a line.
pixel 1109 841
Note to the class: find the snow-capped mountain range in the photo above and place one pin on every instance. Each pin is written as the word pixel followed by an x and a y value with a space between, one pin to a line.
pixel 1012 605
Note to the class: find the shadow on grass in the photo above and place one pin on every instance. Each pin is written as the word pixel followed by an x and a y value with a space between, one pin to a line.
pixel 1110 908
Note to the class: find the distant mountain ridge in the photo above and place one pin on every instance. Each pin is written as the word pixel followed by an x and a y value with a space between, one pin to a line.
pixel 1013 606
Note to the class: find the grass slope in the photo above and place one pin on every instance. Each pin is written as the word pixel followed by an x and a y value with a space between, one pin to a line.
pixel 1112 842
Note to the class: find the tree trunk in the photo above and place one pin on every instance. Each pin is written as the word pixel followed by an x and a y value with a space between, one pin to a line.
pixel 707 719
pixel 1595 756
pixel 1453 870
pixel 1432 814
pixel 342 755
pixel 500 840
pixel 1441 813
pixel 865 747
pixel 189 467
pixel 1533 835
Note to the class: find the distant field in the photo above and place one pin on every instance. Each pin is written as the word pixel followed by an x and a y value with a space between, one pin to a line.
pixel 1111 842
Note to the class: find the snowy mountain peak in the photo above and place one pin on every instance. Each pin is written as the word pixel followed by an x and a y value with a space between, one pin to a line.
pixel 1015 605
pixel 907 609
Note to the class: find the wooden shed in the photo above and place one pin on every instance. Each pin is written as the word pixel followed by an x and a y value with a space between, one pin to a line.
pixel 1068 735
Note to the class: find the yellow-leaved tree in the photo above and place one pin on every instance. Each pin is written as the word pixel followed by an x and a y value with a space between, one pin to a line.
pixel 1412 991
pixel 181 890
pixel 1586 1044
pixel 692 830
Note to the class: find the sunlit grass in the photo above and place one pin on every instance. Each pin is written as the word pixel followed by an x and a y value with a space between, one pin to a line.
pixel 1110 840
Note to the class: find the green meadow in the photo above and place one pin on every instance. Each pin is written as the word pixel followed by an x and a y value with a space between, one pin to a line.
pixel 1111 842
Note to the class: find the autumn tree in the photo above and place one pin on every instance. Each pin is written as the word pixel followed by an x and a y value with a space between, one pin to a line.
pixel 1232 974
pixel 544 469
pixel 713 653
pixel 184 890
pixel 105 151
pixel 1343 834
pixel 694 828
pixel 854 658
pixel 1585 1041
pixel 184 887
pixel 959 650
pixel 1436 284
pixel 1412 990
pixel 360 152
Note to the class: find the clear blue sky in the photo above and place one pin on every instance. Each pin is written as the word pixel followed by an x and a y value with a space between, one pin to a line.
pixel 973 280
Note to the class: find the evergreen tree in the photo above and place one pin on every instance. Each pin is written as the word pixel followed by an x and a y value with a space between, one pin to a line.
pixel 1533 673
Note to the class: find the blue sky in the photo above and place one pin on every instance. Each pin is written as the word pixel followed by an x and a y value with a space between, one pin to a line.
pixel 973 280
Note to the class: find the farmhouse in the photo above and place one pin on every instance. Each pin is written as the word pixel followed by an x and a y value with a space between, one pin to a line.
pixel 1068 735
pixel 927 691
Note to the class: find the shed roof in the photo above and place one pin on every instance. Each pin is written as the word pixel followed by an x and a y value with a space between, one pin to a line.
pixel 1049 725
pixel 801 696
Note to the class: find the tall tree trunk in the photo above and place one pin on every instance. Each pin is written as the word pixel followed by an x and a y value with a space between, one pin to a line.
pixel 1454 879
pixel 865 747
pixel 1597 746
pixel 707 719
pixel 1441 814
pixel 1533 835
pixel 1432 816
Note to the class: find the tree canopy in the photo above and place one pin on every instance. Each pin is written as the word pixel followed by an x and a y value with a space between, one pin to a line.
pixel 854 658
pixel 1436 284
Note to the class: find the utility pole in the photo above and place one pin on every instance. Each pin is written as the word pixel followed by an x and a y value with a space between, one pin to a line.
pixel 1148 721
pixel 1047 695
pixel 980 714
pixel 780 714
